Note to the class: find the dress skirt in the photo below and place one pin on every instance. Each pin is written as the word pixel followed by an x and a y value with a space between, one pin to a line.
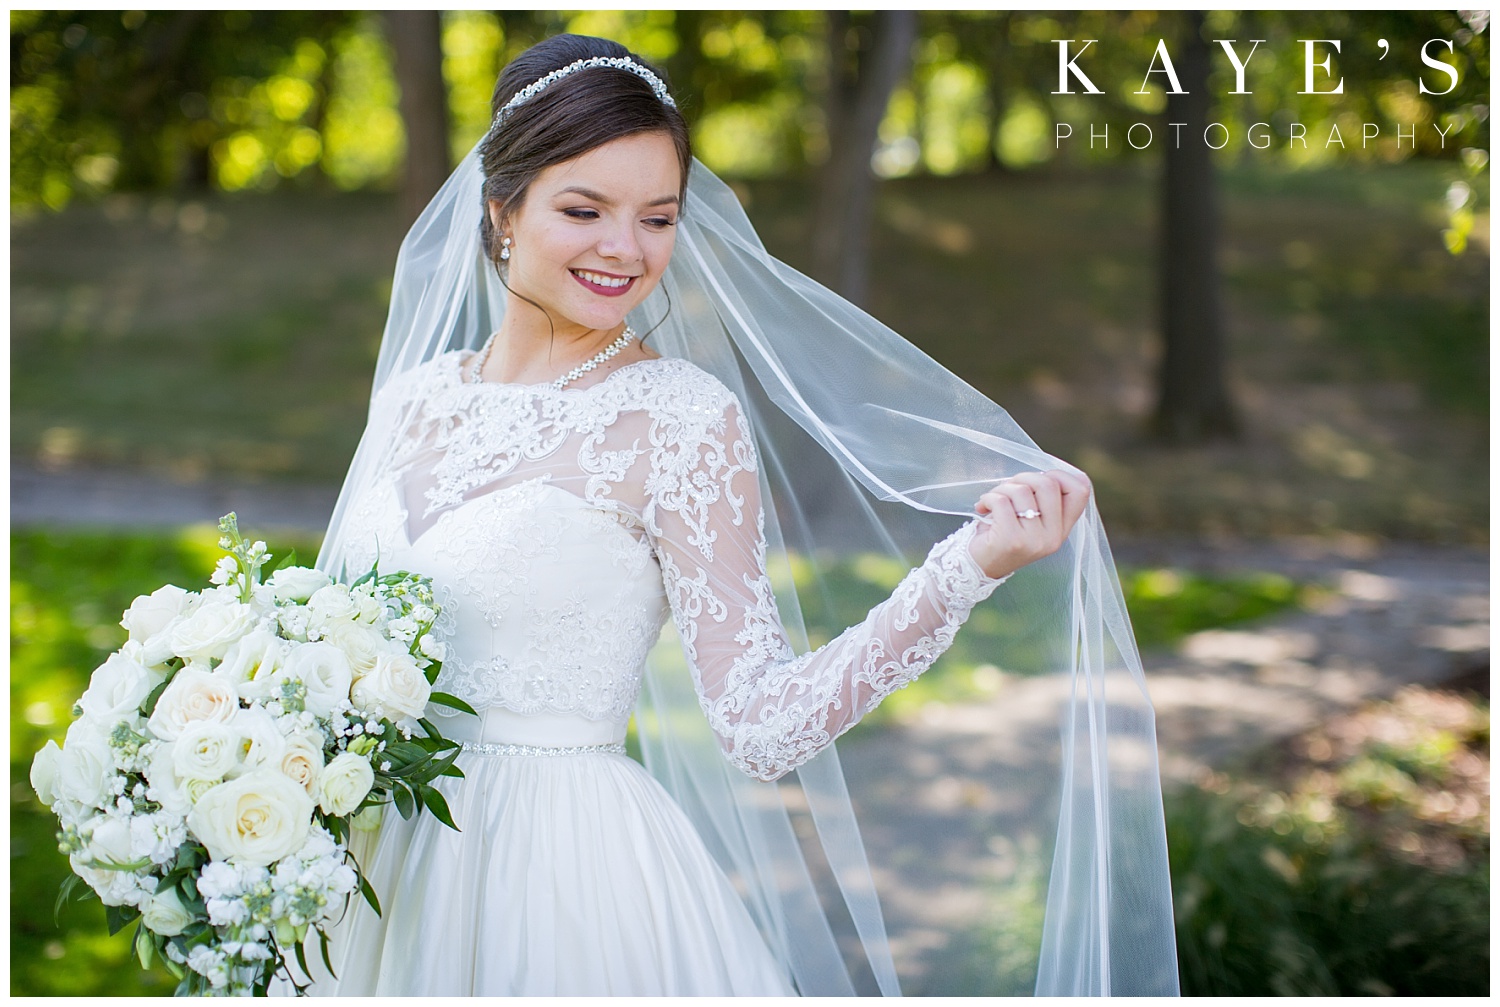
pixel 574 874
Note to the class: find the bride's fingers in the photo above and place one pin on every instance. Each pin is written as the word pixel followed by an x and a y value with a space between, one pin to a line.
pixel 1047 494
pixel 1076 490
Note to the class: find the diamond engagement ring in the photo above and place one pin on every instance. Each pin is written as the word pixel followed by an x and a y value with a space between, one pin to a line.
pixel 1033 512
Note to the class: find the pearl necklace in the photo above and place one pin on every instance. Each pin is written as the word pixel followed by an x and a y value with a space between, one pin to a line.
pixel 483 356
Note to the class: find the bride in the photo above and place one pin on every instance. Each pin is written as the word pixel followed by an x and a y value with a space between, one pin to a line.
pixel 601 409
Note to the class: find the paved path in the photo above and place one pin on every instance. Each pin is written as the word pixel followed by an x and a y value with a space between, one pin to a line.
pixel 951 799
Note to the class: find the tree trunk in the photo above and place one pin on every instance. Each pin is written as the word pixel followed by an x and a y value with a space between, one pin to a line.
pixel 1193 401
pixel 416 37
pixel 860 82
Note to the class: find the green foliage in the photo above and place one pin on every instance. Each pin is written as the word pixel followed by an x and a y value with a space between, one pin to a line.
pixel 1362 872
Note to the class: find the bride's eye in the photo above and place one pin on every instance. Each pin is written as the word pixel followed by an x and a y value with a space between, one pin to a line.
pixel 578 213
pixel 660 222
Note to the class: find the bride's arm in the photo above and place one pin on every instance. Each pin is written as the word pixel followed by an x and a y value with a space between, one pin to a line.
pixel 771 709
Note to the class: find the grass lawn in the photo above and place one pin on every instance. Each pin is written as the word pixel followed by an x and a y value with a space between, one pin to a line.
pixel 237 336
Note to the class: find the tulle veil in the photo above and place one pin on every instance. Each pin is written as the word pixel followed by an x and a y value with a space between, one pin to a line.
pixel 867 446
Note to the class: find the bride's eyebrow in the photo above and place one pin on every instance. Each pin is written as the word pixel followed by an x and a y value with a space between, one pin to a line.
pixel 600 198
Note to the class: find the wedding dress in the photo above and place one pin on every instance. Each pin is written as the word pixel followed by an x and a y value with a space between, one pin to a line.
pixel 562 530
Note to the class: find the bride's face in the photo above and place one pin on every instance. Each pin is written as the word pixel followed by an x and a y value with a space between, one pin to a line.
pixel 594 234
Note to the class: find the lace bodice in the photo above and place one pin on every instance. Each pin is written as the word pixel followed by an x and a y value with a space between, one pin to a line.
pixel 562 528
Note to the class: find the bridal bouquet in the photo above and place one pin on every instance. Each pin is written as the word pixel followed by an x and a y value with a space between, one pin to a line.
pixel 222 755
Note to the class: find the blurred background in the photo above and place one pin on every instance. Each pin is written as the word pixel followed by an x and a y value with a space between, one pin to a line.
pixel 1271 357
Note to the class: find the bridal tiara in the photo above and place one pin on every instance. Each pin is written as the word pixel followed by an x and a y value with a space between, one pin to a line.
pixel 536 87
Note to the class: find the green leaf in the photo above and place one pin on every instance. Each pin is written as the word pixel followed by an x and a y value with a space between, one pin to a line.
pixel 369 893
pixel 119 917
pixel 438 806
pixel 405 802
pixel 69 883
pixel 327 962
pixel 149 706
pixel 290 559
pixel 444 699
pixel 144 945
pixel 302 960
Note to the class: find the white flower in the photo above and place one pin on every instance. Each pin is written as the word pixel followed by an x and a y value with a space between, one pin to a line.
pixel 254 819
pixel 302 761
pixel 194 694
pixel 324 670
pixel 157 836
pixel 218 880
pixel 149 614
pixel 262 743
pixel 165 787
pixel 165 914
pixel 86 768
pixel 109 842
pixel 206 750
pixel 432 647
pixel 210 630
pixel 224 570
pixel 404 629
pixel 344 783
pixel 294 621
pixel 250 662
pixel 369 819
pixel 332 604
pixel 370 607
pixel 114 888
pixel 44 769
pixel 394 688
pixel 360 644
pixel 116 689
pixel 296 583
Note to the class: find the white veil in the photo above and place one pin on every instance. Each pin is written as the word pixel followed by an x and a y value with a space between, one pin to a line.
pixel 849 420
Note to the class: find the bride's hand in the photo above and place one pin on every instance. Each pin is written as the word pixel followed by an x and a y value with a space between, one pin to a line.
pixel 1005 541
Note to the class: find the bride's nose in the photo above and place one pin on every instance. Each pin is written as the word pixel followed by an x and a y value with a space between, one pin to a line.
pixel 620 243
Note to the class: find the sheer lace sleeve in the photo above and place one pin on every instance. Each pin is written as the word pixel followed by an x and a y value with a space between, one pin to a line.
pixel 773 710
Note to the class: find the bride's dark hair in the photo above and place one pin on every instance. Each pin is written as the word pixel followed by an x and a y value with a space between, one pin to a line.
pixel 568 118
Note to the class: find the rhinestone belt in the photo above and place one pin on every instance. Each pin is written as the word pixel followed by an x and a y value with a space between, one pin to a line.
pixel 617 748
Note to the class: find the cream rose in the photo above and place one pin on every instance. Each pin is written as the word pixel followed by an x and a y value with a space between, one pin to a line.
pixel 255 819
pixel 206 750
pixel 344 783
pixel 149 614
pixel 302 762
pixel 360 644
pixel 195 694
pixel 324 670
pixel 44 769
pixel 165 914
pixel 165 787
pixel 109 842
pixel 116 690
pixel 210 630
pixel 86 765
pixel 394 688
pixel 297 583
pixel 332 604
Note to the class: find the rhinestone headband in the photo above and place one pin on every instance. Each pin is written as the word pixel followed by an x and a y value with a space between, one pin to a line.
pixel 536 87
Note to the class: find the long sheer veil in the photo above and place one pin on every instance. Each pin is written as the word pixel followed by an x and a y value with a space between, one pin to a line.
pixel 867 446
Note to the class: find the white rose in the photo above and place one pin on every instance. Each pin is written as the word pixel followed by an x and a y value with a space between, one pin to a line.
pixel 432 647
pixel 394 688
pixel 255 819
pixel 149 614
pixel 262 743
pixel 44 769
pixel 250 662
pixel 109 843
pixel 360 644
pixel 164 913
pixel 324 670
pixel 116 690
pixel 195 694
pixel 297 583
pixel 332 604
pixel 344 783
pixel 206 750
pixel 86 767
pixel 210 631
pixel 370 607
pixel 302 761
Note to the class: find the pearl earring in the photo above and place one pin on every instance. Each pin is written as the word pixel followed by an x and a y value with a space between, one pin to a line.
pixel 504 249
